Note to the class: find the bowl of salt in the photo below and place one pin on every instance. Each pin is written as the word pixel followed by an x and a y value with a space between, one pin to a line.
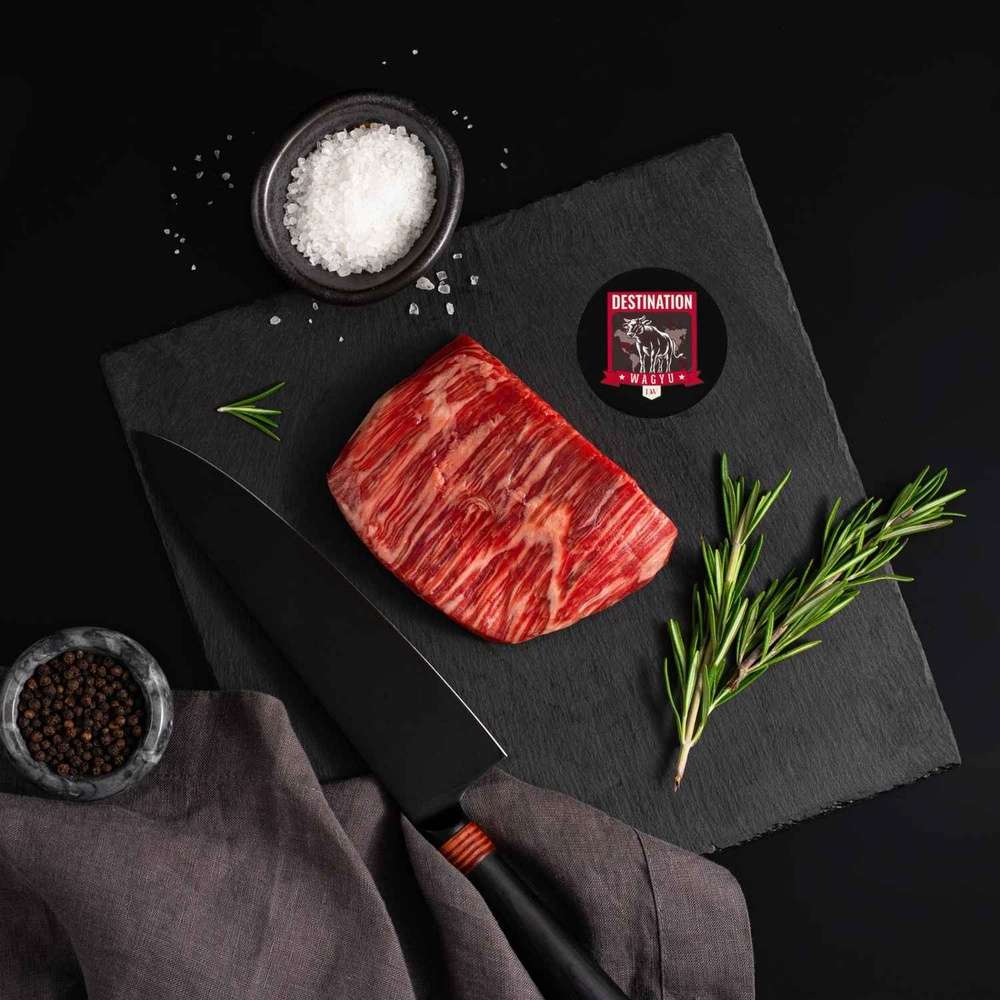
pixel 359 198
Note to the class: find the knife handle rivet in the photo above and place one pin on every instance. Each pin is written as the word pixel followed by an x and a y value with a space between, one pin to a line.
pixel 467 848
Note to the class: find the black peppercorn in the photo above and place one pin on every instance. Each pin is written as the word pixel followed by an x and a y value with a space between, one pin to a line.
pixel 78 702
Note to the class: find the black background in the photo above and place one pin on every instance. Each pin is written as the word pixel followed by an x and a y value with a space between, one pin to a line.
pixel 876 157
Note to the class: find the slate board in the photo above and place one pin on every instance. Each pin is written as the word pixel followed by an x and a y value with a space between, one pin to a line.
pixel 581 710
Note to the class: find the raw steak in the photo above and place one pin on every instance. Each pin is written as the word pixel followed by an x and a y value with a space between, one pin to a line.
pixel 487 503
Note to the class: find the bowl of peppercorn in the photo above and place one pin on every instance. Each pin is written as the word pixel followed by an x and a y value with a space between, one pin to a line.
pixel 85 713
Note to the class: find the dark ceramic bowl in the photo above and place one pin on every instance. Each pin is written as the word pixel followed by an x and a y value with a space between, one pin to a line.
pixel 155 691
pixel 271 189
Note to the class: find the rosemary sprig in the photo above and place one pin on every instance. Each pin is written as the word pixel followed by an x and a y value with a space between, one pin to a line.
pixel 265 420
pixel 734 638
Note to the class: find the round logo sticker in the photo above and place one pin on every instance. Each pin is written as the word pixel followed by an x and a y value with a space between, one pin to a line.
pixel 651 342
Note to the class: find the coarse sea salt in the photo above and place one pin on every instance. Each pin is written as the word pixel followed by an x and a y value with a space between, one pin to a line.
pixel 360 199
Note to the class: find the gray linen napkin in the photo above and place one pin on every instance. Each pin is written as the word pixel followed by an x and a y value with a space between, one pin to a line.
pixel 232 873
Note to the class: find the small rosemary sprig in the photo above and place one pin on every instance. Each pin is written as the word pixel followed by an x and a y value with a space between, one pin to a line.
pixel 734 638
pixel 263 419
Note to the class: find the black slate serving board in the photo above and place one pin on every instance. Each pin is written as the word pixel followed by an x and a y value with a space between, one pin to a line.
pixel 581 710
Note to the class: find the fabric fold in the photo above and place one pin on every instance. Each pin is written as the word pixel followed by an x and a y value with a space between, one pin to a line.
pixel 232 874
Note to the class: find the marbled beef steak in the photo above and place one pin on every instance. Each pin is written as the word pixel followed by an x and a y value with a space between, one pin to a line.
pixel 488 504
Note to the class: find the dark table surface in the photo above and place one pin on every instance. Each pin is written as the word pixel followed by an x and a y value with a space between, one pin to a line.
pixel 876 157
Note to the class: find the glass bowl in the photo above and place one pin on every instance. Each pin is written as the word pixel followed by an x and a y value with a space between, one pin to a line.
pixel 155 691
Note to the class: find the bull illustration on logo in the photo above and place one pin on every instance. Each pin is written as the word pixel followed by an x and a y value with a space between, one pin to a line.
pixel 655 350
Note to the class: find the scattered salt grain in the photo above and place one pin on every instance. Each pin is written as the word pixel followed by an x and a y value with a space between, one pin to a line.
pixel 209 202
pixel 506 150
pixel 414 309
pixel 383 62
pixel 226 175
pixel 177 251
pixel 444 288
pixel 469 125
pixel 341 340
pixel 473 279
pixel 456 256
pixel 229 138
pixel 441 275
pixel 310 320
pixel 454 111
pixel 166 232
pixel 216 153
pixel 275 320
pixel 360 199
pixel 194 267
pixel 415 51
pixel 173 195
pixel 425 284
pixel 465 118
pixel 183 239
pixel 315 307
pixel 230 186
pixel 504 165
pixel 174 168
pixel 451 308
pixel 198 176
pixel 197 157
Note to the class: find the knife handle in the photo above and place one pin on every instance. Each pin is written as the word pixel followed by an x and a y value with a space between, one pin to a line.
pixel 561 969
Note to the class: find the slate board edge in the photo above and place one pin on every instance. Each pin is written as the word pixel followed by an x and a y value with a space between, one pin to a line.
pixel 844 447
pixel 155 509
pixel 833 807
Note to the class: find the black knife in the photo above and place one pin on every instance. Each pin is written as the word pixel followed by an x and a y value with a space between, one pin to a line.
pixel 420 739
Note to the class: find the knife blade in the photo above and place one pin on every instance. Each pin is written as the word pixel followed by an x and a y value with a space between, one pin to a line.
pixel 419 737
pixel 411 727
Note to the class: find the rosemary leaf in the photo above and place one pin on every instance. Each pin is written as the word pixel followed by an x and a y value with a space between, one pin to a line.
pixel 263 428
pixel 260 418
